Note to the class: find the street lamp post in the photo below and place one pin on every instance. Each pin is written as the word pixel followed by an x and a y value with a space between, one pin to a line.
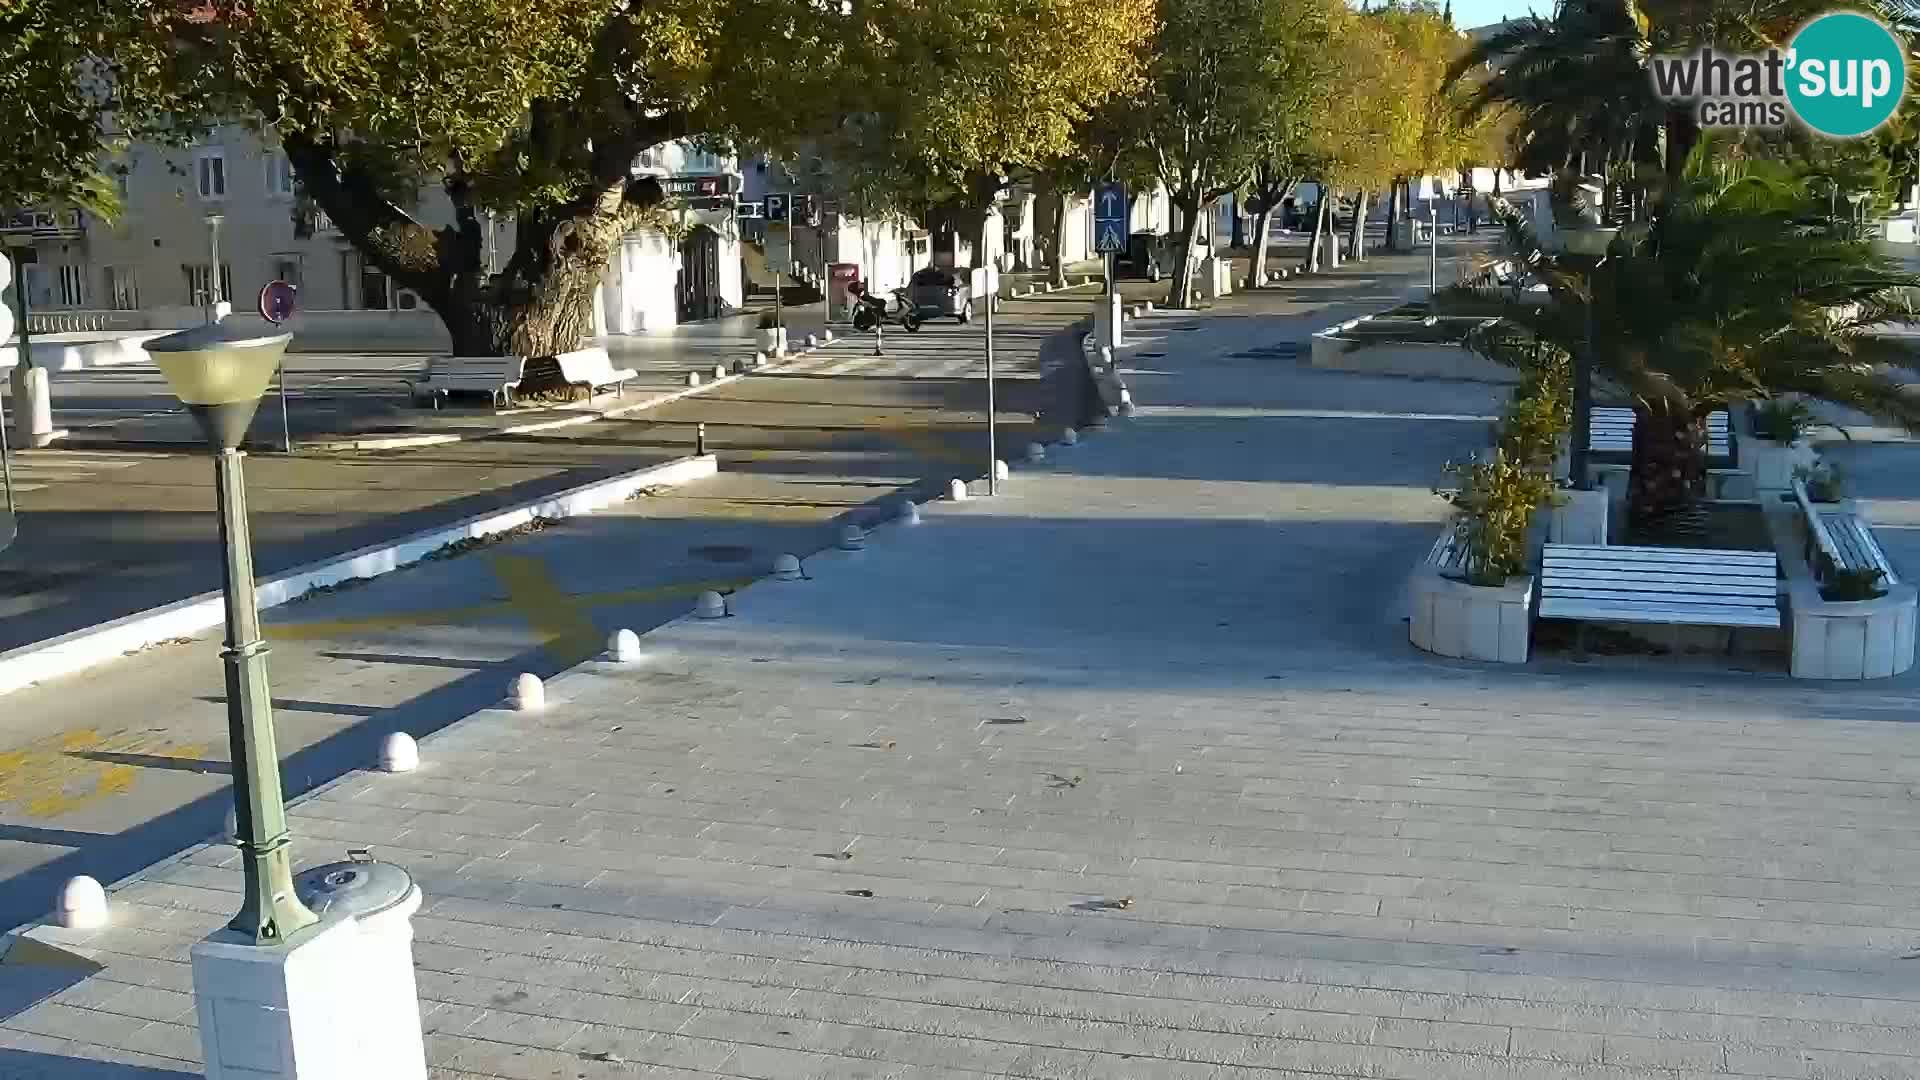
pixel 220 372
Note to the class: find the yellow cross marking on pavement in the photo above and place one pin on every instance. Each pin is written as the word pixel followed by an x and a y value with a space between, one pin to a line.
pixel 62 773
pixel 929 444
pixel 562 620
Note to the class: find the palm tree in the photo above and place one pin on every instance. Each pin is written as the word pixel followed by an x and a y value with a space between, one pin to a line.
pixel 1739 290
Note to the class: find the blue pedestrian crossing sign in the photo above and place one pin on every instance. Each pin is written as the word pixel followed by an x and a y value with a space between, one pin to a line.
pixel 1109 218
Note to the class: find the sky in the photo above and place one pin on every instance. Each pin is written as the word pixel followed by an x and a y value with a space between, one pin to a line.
pixel 1468 14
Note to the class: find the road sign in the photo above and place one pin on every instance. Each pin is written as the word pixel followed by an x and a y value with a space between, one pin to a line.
pixel 806 210
pixel 777 209
pixel 1109 218
pixel 276 301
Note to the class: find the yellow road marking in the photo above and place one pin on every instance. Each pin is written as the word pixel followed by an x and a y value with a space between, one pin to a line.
pixel 62 773
pixel 561 621
pixel 928 444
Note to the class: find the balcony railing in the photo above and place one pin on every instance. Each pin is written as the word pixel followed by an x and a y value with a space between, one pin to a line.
pixel 42 224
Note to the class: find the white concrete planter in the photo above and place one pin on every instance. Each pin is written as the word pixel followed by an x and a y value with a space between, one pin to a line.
pixel 1579 517
pixel 1856 639
pixel 1471 622
pixel 1772 463
pixel 772 342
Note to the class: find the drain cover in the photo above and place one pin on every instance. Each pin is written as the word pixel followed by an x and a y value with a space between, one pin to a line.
pixel 726 553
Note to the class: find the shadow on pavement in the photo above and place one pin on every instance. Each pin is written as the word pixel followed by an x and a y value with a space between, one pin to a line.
pixel 28 1065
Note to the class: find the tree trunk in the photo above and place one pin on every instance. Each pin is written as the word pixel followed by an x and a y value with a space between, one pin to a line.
pixel 1357 236
pixel 1180 292
pixel 1321 212
pixel 1262 223
pixel 1683 131
pixel 1394 212
pixel 1669 469
pixel 1057 241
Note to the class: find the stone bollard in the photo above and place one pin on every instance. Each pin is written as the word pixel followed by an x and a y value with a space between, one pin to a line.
pixel 813 342
pixel 710 605
pixel 852 537
pixel 693 378
pixel 719 372
pixel 787 567
pixel 82 904
pixel 399 753
pixel 529 693
pixel 957 490
pixel 1036 452
pixel 827 336
pixel 759 359
pixel 1106 357
pixel 1000 470
pixel 624 646
pixel 1146 307
pixel 909 513
pixel 1069 437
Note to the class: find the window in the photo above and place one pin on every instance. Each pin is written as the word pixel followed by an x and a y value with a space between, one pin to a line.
pixel 123 293
pixel 200 283
pixel 279 176
pixel 210 172
pixel 287 268
pixel 72 287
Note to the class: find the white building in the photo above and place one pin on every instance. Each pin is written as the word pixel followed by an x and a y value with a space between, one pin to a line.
pixel 234 192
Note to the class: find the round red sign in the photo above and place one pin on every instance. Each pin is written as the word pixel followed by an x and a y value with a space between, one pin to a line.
pixel 276 301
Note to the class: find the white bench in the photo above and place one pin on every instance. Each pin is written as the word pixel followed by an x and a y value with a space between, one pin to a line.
pixel 593 369
pixel 1842 537
pixel 1610 431
pixel 1448 554
pixel 1668 586
pixel 498 376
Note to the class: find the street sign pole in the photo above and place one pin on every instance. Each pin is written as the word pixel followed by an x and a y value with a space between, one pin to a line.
pixel 993 436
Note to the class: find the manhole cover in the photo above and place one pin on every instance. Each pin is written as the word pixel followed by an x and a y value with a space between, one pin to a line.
pixel 728 553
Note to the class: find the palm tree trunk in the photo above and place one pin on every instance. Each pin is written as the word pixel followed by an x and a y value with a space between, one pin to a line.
pixel 1669 471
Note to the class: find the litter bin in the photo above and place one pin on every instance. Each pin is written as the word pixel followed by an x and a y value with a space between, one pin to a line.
pixel 381 898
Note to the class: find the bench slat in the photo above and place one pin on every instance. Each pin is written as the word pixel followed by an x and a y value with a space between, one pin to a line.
pixel 1615 583
pixel 1642 613
pixel 1686 586
pixel 1614 553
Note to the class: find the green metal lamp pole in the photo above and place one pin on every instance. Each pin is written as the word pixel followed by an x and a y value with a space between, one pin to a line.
pixel 221 371
pixel 271 912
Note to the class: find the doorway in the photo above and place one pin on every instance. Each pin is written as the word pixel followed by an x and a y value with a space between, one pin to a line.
pixel 697 294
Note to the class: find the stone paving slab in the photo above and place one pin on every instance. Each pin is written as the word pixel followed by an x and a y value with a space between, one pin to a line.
pixel 1125 773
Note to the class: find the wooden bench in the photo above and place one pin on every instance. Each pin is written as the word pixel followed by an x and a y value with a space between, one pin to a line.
pixel 1842 537
pixel 1668 586
pixel 498 376
pixel 1448 554
pixel 1610 431
pixel 593 369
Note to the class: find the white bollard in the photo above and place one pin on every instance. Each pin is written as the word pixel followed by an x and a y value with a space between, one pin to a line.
pixel 1106 357
pixel 719 371
pixel 710 605
pixel 1036 452
pixel 826 335
pixel 1000 470
pixel 1146 306
pixel 624 646
pixel 813 342
pixel 957 490
pixel 852 537
pixel 1069 437
pixel 786 567
pixel 82 904
pixel 909 513
pixel 1126 397
pixel 693 378
pixel 529 693
pixel 399 753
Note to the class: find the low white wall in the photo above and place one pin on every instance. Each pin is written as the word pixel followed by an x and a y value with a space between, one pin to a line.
pixel 1335 352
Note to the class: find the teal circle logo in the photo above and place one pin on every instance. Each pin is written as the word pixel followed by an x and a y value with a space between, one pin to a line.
pixel 1846 73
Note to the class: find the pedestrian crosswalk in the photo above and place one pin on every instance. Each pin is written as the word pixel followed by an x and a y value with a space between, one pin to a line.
pixel 36 470
pixel 936 352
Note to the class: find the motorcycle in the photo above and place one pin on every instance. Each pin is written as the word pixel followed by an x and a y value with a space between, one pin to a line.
pixel 872 312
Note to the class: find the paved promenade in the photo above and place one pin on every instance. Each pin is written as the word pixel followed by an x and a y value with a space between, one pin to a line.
pixel 1126 773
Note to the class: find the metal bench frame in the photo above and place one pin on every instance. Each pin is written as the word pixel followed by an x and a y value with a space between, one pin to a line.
pixel 499 376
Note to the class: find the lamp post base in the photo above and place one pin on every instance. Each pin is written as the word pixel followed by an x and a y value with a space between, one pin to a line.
pixel 338 1002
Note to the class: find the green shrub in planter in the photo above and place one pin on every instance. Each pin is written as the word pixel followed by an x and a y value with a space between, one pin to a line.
pixel 1842 585
pixel 1824 483
pixel 1781 421
pixel 1538 413
pixel 1494 508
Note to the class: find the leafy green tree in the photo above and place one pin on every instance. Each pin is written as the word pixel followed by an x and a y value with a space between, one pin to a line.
pixel 533 108
pixel 1736 291
pixel 1219 71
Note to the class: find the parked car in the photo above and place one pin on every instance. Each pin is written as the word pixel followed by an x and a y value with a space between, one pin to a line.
pixel 939 293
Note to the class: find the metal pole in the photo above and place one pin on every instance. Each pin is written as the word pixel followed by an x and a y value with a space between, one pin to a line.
pixel 1433 250
pixel 270 912
pixel 993 438
pixel 286 426
pixel 1580 441
pixel 214 291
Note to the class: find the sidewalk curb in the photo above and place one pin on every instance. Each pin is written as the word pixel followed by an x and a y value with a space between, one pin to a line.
pixel 85 648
